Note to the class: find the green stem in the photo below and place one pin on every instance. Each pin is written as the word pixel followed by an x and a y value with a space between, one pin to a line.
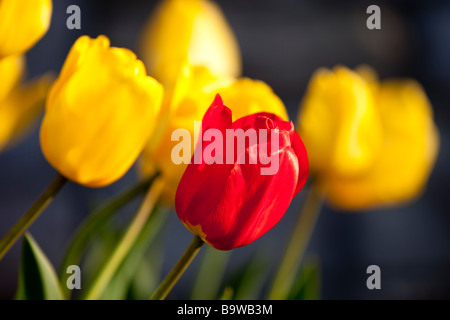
pixel 295 250
pixel 171 279
pixel 121 250
pixel 31 214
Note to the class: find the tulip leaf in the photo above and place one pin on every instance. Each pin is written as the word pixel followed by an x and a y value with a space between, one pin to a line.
pixel 103 245
pixel 98 251
pixel 37 278
pixel 210 274
pixel 307 284
pixel 148 274
pixel 96 221
pixel 249 279
pixel 123 280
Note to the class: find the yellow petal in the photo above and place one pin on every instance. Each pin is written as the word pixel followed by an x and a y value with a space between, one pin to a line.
pixel 411 143
pixel 246 96
pixel 195 31
pixel 370 76
pixel 339 124
pixel 99 113
pixel 11 70
pixel 21 108
pixel 22 24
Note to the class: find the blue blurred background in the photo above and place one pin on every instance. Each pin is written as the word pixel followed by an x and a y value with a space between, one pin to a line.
pixel 282 43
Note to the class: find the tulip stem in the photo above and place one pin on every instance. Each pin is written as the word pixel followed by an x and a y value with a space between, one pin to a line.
pixel 31 214
pixel 126 242
pixel 171 279
pixel 298 243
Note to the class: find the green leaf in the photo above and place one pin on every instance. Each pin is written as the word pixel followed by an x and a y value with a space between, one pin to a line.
pixel 120 284
pixel 249 279
pixel 148 274
pixel 37 278
pixel 307 285
pixel 97 221
pixel 210 274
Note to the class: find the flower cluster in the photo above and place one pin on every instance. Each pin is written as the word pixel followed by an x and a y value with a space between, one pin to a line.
pixel 370 144
pixel 367 143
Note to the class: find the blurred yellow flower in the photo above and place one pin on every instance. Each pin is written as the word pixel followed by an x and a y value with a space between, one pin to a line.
pixel 99 113
pixel 195 31
pixel 22 24
pixel 20 104
pixel 400 168
pixel 339 123
pixel 187 102
pixel 11 70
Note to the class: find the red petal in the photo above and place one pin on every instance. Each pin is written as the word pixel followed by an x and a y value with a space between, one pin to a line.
pixel 251 204
pixel 262 120
pixel 300 152
pixel 198 176
pixel 217 116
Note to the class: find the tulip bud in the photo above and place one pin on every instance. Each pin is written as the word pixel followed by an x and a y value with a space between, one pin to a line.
pixel 193 31
pixel 339 123
pixel 99 113
pixel 230 204
pixel 187 102
pixel 411 143
pixel 22 24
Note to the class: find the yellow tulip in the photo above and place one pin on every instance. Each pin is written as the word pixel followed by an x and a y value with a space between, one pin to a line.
pixel 399 167
pixel 408 155
pixel 188 101
pixel 339 123
pixel 20 104
pixel 195 31
pixel 22 24
pixel 99 113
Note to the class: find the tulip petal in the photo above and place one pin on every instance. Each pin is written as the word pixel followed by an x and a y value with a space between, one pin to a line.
pixel 250 203
pixel 218 116
pixel 11 71
pixel 22 24
pixel 21 108
pixel 409 152
pixel 302 158
pixel 339 123
pixel 203 38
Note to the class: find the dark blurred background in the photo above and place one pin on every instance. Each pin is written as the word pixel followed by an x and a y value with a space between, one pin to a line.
pixel 282 43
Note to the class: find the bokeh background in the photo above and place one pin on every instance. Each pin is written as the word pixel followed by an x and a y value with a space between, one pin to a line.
pixel 282 43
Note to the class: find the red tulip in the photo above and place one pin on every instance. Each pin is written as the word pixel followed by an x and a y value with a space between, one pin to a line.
pixel 231 205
